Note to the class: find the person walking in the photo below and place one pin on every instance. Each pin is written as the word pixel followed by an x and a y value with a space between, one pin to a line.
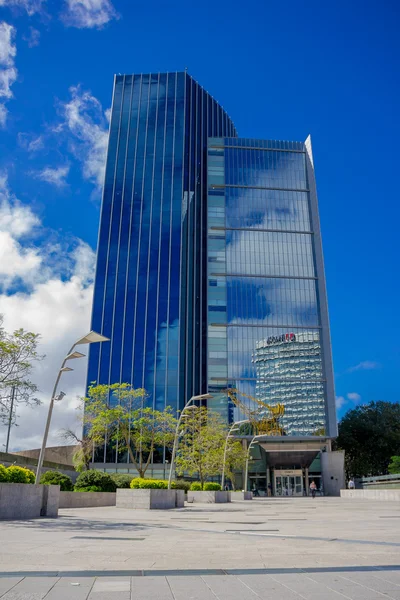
pixel 313 488
pixel 351 484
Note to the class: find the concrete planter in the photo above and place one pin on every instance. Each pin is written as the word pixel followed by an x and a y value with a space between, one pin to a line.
pixel 147 499
pixel 209 497
pixel 87 499
pixel 241 496
pixel 27 501
pixel 180 498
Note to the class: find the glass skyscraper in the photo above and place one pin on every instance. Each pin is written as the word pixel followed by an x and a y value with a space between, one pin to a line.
pixel 151 276
pixel 268 329
pixel 209 264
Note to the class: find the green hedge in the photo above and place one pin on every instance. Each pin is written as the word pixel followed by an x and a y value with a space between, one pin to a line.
pixel 121 480
pixel 196 486
pixel 20 475
pixel 89 488
pixel 180 485
pixel 3 474
pixel 148 484
pixel 57 478
pixel 212 486
pixel 96 478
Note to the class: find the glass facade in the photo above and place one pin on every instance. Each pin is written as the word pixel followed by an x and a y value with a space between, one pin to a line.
pixel 151 274
pixel 268 331
pixel 209 264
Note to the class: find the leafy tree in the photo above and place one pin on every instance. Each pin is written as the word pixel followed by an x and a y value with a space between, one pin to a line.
pixel 116 413
pixel 18 352
pixel 370 435
pixel 201 445
pixel 57 478
pixel 235 459
pixel 82 456
pixel 394 466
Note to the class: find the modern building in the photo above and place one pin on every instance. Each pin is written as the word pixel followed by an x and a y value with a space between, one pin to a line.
pixel 289 372
pixel 209 256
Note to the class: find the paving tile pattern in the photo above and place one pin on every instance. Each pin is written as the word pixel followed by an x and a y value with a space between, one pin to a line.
pixel 265 549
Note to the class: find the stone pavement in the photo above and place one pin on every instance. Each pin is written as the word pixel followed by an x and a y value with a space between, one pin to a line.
pixel 288 548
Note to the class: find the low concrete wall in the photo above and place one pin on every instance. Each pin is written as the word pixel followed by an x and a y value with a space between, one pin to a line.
pixel 241 496
pixel 147 499
pixel 209 497
pixel 87 499
pixel 371 494
pixel 27 501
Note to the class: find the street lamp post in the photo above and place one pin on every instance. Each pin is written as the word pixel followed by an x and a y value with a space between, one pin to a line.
pixel 187 405
pixel 247 460
pixel 232 430
pixel 89 338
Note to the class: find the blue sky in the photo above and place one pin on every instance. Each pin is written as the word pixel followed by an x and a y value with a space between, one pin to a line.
pixel 281 70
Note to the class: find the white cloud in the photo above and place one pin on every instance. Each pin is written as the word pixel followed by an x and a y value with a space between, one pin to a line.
pixel 33 38
pixel 55 302
pixel 88 14
pixel 366 365
pixel 84 118
pixel 340 402
pixel 31 6
pixel 354 397
pixel 30 143
pixel 351 398
pixel 55 176
pixel 8 72
pixel 3 115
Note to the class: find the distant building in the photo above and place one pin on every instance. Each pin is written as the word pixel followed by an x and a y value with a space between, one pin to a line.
pixel 289 372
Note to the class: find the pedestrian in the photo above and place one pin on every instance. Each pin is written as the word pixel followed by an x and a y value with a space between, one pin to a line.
pixel 351 484
pixel 313 488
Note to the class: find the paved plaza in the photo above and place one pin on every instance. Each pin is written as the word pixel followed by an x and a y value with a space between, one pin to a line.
pixel 288 548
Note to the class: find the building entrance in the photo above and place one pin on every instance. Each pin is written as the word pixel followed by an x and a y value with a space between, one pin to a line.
pixel 288 482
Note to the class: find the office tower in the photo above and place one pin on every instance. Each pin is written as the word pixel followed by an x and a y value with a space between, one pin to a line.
pixel 150 285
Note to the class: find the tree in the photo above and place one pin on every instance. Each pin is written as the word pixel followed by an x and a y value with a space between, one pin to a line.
pixel 18 352
pixel 117 413
pixel 84 449
pixel 235 459
pixel 394 466
pixel 370 435
pixel 201 445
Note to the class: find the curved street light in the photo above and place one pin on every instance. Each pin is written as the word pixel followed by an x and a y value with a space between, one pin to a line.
pixel 233 428
pixel 185 408
pixel 89 338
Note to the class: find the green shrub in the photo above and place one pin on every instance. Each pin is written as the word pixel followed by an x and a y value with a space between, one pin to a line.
pixel 135 483
pixel 30 475
pixel 121 480
pixel 89 488
pixel 57 478
pixel 180 485
pixel 196 486
pixel 212 486
pixel 96 478
pixel 19 475
pixel 3 474
pixel 148 484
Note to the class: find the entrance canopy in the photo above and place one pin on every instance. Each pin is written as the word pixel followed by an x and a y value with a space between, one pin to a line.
pixel 287 452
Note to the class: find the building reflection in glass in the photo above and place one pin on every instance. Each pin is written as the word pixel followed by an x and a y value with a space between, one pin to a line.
pixel 289 371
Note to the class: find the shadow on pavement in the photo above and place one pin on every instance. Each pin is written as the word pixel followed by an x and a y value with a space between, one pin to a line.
pixel 199 572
